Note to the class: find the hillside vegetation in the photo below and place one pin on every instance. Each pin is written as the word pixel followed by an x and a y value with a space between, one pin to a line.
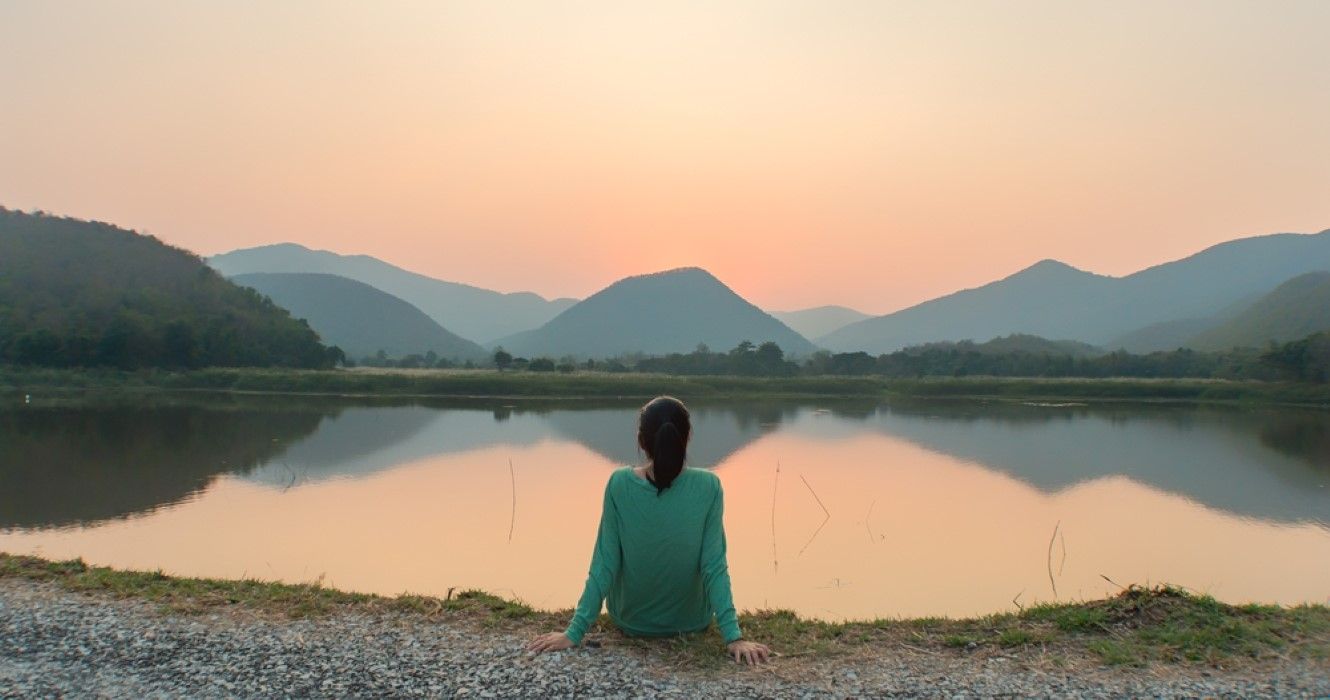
pixel 1295 309
pixel 84 293
pixel 358 318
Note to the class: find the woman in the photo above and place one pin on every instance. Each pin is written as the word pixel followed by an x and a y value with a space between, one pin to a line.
pixel 660 553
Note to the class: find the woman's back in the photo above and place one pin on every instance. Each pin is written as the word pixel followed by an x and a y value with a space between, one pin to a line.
pixel 659 559
pixel 660 588
pixel 659 562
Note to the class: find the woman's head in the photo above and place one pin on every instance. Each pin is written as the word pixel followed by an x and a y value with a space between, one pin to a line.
pixel 663 428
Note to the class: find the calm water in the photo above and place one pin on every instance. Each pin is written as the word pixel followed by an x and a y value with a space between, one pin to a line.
pixel 939 508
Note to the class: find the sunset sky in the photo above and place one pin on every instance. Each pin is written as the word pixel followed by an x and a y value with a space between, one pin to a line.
pixel 872 154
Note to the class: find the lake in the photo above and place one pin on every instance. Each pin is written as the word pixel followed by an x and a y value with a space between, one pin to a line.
pixel 834 509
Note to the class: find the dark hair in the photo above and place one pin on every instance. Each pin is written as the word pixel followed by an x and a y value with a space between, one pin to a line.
pixel 662 432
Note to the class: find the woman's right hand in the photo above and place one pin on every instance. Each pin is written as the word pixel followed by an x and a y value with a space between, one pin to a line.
pixel 748 652
pixel 554 641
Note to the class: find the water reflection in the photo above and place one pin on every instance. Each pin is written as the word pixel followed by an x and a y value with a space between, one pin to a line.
pixel 81 465
pixel 939 507
pixel 360 441
pixel 1264 463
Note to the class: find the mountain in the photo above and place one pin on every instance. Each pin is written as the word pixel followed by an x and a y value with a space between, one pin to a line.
pixel 819 321
pixel 1023 303
pixel 1294 310
pixel 86 293
pixel 1054 300
pixel 660 313
pixel 1166 336
pixel 358 318
pixel 1163 336
pixel 471 312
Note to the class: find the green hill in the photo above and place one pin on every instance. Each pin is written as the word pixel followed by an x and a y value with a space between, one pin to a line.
pixel 1020 343
pixel 656 314
pixel 1294 310
pixel 359 318
pixel 85 293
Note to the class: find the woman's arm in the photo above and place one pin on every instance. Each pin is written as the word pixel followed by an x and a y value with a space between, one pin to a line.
pixel 716 571
pixel 605 562
pixel 716 581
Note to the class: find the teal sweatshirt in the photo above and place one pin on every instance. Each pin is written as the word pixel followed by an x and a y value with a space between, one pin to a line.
pixel 659 561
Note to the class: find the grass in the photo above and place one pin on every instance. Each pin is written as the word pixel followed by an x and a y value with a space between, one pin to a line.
pixel 490 383
pixel 1138 627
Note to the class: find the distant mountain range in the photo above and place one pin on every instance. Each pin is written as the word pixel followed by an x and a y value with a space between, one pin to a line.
pixel 478 314
pixel 666 312
pixel 819 321
pixel 358 318
pixel 1054 300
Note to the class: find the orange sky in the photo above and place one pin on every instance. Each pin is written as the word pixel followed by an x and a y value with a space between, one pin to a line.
pixel 872 154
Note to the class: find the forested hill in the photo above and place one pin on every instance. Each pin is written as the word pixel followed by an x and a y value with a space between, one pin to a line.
pixel 1295 309
pixel 85 293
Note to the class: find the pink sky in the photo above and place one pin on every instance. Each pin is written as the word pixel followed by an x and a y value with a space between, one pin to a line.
pixel 872 154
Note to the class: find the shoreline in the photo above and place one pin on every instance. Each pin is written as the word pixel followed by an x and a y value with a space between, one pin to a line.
pixel 1139 627
pixel 582 385
pixel 70 629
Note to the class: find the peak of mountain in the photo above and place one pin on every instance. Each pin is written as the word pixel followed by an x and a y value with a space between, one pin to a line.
pixel 658 313
pixel 471 312
pixel 1293 310
pixel 1054 300
pixel 358 318
pixel 1046 299
pixel 1049 266
pixel 819 320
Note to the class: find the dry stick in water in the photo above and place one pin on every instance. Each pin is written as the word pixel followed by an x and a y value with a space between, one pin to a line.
pixel 824 510
pixel 868 524
pixel 512 521
pixel 1062 537
pixel 775 563
pixel 1051 540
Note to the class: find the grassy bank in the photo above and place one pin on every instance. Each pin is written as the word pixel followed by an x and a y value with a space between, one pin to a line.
pixel 1137 627
pixel 488 383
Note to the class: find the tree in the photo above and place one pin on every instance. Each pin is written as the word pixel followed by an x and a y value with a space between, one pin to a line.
pixel 502 359
pixel 337 356
pixel 769 354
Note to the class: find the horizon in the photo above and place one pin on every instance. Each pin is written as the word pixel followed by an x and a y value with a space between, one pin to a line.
pixel 877 155
pixel 805 308
pixel 688 266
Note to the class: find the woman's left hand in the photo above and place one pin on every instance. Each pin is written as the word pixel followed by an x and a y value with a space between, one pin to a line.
pixel 748 652
pixel 554 641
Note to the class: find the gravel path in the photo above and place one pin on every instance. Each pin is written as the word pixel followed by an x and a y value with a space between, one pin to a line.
pixel 56 643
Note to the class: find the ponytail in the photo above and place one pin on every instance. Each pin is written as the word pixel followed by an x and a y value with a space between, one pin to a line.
pixel 667 458
pixel 663 426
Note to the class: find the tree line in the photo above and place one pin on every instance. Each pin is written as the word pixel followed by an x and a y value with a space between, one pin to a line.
pixel 1305 360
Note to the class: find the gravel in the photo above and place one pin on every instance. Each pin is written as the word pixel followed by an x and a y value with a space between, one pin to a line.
pixel 56 643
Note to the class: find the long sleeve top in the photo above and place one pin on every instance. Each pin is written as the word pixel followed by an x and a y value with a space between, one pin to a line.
pixel 659 560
